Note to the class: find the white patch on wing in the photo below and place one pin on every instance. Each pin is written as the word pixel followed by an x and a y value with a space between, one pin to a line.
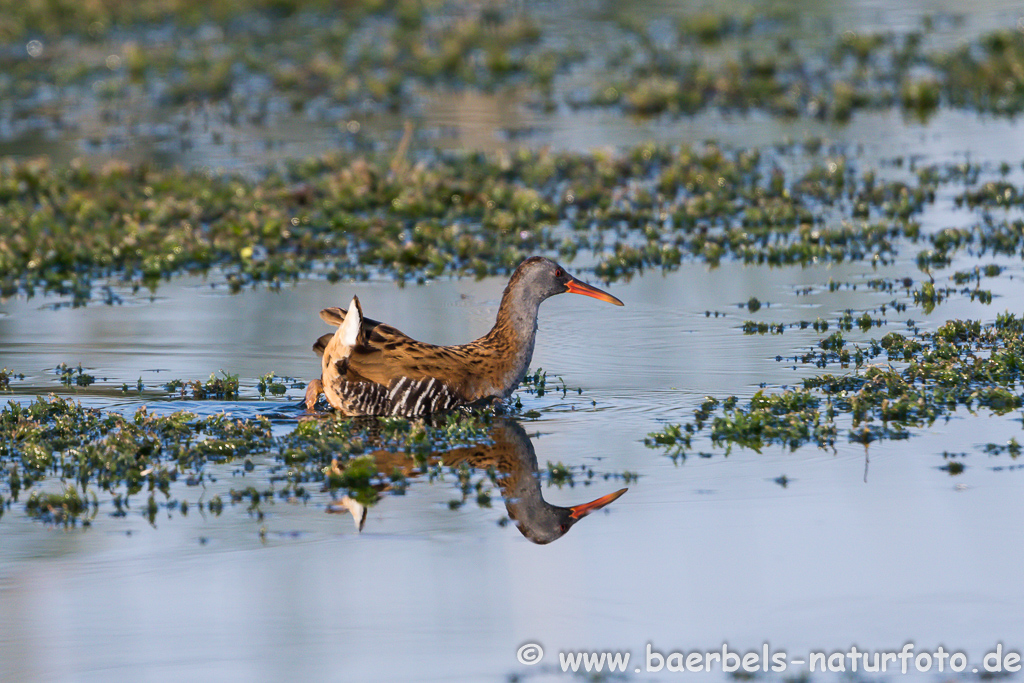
pixel 348 331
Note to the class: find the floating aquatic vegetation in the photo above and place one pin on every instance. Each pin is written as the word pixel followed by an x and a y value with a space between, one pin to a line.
pixel 252 59
pixel 223 387
pixel 954 463
pixel 752 327
pixel 348 217
pixel 962 364
pixel 559 475
pixel 1012 447
pixel 110 458
pixel 6 376
pixel 91 450
pixel 269 383
pixel 77 376
pixel 93 20
pixel 60 509
pixel 262 61
pixel 782 76
pixel 536 383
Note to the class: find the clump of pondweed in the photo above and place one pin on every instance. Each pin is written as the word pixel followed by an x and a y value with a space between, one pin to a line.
pixel 268 382
pixel 778 80
pixel 1011 447
pixel 752 327
pixel 77 376
pixel 58 437
pixel 963 363
pixel 458 214
pixel 336 448
pixel 536 383
pixel 124 455
pixel 559 475
pixel 60 509
pixel 478 214
pixel 6 376
pixel 223 387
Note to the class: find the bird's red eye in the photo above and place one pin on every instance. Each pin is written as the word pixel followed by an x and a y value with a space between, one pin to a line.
pixel 559 272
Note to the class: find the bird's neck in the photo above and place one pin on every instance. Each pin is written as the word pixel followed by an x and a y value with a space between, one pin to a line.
pixel 513 336
pixel 517 318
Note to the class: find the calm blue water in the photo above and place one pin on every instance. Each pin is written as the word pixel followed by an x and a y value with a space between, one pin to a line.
pixel 869 549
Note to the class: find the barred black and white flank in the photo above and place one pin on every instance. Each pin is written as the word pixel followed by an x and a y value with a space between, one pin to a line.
pixel 404 398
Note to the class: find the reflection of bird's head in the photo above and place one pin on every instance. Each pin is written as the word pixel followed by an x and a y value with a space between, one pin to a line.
pixel 542 522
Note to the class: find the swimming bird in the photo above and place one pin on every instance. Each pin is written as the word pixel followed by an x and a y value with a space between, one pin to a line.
pixel 369 368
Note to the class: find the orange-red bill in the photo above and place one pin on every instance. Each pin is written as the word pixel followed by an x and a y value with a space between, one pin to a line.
pixel 585 509
pixel 577 287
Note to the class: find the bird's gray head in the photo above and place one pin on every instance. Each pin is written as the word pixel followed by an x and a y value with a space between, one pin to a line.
pixel 538 278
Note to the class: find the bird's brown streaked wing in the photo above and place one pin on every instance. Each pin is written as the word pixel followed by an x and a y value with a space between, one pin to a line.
pixel 320 344
pixel 388 354
pixel 383 363
pixel 336 316
pixel 374 332
pixel 333 315
pixel 383 354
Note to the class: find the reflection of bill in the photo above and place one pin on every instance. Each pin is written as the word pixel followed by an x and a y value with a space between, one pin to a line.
pixel 510 454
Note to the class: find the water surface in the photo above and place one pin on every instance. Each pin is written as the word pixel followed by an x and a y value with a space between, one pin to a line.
pixel 706 551
pixel 868 547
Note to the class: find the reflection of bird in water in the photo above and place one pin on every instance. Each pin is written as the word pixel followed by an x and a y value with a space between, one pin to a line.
pixel 369 368
pixel 511 454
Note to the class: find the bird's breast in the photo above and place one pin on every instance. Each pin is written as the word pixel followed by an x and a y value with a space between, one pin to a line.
pixel 496 375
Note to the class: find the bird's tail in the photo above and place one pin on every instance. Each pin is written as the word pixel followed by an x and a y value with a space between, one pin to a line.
pixel 336 349
pixel 347 333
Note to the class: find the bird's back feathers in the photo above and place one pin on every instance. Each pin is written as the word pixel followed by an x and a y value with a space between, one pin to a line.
pixel 370 368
